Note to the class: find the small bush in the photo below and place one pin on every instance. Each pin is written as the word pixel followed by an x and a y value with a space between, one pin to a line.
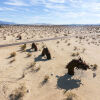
pixel 18 93
pixel 68 44
pixel 23 47
pixel 94 67
pixel 71 96
pixel 75 48
pixel 37 69
pixel 57 42
pixel 46 78
pixel 75 54
pixel 29 55
pixel 13 54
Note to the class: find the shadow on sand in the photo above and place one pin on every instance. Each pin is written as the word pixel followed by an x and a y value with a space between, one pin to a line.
pixel 27 50
pixel 65 82
pixel 39 58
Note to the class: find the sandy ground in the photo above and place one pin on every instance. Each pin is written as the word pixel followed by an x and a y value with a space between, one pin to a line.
pixel 19 81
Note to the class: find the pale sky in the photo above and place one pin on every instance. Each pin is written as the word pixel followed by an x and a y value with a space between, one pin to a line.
pixel 50 11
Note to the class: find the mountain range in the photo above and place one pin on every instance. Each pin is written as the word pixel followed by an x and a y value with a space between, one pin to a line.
pixel 5 22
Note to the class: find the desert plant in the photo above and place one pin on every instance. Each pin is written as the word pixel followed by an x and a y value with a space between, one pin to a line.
pixel 71 96
pixel 29 54
pixel 68 44
pixel 57 42
pixel 65 35
pixel 75 54
pixel 13 54
pixel 32 64
pixel 75 48
pixel 46 78
pixel 94 67
pixel 18 93
pixel 23 47
pixel 37 69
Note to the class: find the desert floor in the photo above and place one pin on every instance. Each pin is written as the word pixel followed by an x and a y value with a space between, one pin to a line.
pixel 23 77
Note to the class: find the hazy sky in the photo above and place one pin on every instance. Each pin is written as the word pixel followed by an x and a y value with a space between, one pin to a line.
pixel 50 11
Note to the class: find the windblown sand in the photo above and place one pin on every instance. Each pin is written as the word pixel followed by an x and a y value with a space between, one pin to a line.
pixel 20 81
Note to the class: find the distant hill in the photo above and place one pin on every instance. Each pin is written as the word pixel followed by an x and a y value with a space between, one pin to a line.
pixel 43 24
pixel 6 23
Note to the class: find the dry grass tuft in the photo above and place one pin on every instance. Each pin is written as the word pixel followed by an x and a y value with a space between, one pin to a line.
pixel 68 44
pixel 18 94
pixel 57 42
pixel 32 65
pixel 13 54
pixel 37 69
pixel 46 78
pixel 94 67
pixel 29 54
pixel 75 54
pixel 75 48
pixel 23 47
pixel 71 96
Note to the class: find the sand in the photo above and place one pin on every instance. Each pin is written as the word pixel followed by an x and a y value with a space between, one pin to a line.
pixel 19 81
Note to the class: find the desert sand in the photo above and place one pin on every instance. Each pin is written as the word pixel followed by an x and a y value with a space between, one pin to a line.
pixel 27 76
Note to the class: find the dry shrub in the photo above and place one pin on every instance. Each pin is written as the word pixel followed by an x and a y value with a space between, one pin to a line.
pixel 94 67
pixel 75 48
pixel 75 54
pixel 32 65
pixel 23 47
pixel 46 78
pixel 37 69
pixel 18 94
pixel 4 38
pixel 29 54
pixel 71 96
pixel 68 44
pixel 80 37
pixel 57 42
pixel 65 35
pixel 13 54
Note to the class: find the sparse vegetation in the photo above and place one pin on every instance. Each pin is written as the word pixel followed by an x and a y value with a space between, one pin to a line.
pixel 32 65
pixel 37 69
pixel 23 47
pixel 68 44
pixel 29 54
pixel 46 78
pixel 18 93
pixel 75 48
pixel 94 67
pixel 71 96
pixel 57 42
pixel 13 54
pixel 75 54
